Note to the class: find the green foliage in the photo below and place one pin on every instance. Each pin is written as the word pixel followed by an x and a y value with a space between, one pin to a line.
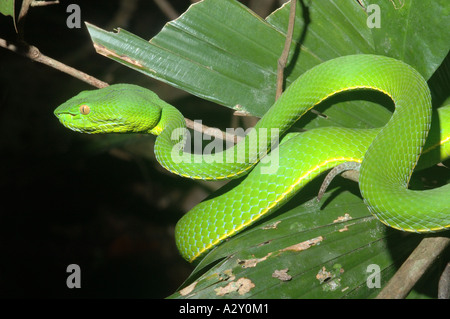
pixel 222 52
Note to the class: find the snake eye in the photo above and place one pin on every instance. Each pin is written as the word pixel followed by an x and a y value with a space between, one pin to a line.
pixel 85 109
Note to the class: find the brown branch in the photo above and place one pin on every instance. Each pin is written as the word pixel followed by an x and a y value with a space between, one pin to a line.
pixel 34 54
pixel 213 132
pixel 282 61
pixel 35 3
pixel 21 18
pixel 444 283
pixel 24 9
pixel 414 267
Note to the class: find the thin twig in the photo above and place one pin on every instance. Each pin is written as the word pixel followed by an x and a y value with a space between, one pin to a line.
pixel 21 18
pixel 43 3
pixel 282 61
pixel 414 267
pixel 444 283
pixel 34 54
pixel 24 9
pixel 214 132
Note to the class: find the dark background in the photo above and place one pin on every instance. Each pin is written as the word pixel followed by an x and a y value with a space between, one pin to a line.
pixel 95 201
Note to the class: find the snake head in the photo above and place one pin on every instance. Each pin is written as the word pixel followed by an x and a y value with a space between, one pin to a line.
pixel 119 108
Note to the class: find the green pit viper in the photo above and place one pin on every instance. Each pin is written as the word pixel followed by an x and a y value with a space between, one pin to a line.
pixel 388 155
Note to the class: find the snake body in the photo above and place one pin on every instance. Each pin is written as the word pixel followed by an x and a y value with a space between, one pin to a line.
pixel 388 155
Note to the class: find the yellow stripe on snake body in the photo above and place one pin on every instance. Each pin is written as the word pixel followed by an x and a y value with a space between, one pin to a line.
pixel 388 155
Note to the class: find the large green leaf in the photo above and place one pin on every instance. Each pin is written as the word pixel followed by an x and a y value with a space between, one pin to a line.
pixel 325 253
pixel 223 52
